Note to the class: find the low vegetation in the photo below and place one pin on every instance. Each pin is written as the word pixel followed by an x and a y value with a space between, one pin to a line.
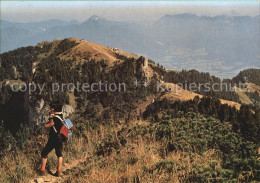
pixel 118 137
pixel 186 148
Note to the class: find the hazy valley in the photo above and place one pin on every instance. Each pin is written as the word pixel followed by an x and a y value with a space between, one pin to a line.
pixel 220 45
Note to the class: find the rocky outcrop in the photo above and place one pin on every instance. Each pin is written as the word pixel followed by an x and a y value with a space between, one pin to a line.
pixel 141 68
pixel 67 110
pixel 39 113
pixel 14 72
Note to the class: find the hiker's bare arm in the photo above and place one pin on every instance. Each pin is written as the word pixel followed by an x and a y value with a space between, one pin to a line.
pixel 49 124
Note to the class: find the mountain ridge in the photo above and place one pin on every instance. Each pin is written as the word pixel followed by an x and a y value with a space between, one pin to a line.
pixel 222 48
pixel 84 51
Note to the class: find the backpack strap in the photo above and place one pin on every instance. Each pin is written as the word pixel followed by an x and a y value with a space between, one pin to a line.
pixel 55 129
pixel 62 121
pixel 59 119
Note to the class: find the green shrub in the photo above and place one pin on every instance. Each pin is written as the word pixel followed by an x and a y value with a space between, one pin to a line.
pixel 165 165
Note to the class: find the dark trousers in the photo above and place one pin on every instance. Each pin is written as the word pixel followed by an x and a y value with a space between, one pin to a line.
pixel 53 143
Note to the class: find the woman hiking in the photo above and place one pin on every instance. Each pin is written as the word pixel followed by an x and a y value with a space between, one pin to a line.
pixel 54 124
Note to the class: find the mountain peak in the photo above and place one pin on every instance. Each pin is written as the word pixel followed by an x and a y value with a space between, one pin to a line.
pixel 95 18
pixel 86 50
pixel 178 16
pixel 182 15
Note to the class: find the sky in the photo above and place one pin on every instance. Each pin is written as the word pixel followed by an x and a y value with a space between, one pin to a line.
pixel 32 11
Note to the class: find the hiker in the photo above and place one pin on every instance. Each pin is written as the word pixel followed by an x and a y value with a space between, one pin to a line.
pixel 53 125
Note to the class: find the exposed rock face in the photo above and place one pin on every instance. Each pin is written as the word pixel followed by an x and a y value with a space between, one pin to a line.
pixel 14 72
pixel 141 68
pixel 67 110
pixel 39 114
pixel 34 66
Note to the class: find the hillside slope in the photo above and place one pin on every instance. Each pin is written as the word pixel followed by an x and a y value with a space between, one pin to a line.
pixel 179 94
pixel 84 50
pixel 140 134
pixel 88 50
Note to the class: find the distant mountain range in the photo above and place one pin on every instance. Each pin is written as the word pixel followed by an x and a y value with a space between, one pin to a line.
pixel 221 45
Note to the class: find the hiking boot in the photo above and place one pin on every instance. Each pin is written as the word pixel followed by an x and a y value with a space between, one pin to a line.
pixel 43 173
pixel 57 174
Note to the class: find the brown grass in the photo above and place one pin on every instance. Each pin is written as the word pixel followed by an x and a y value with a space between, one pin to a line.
pixel 138 155
pixel 137 160
pixel 180 94
pixel 86 49
pixel 251 88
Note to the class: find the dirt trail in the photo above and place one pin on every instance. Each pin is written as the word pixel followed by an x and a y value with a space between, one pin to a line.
pixel 52 179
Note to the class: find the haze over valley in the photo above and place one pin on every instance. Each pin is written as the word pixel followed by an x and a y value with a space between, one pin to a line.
pixel 217 41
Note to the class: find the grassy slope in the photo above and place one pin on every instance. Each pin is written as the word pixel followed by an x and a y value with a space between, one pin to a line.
pixel 132 152
pixel 143 158
pixel 183 95
pixel 86 49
